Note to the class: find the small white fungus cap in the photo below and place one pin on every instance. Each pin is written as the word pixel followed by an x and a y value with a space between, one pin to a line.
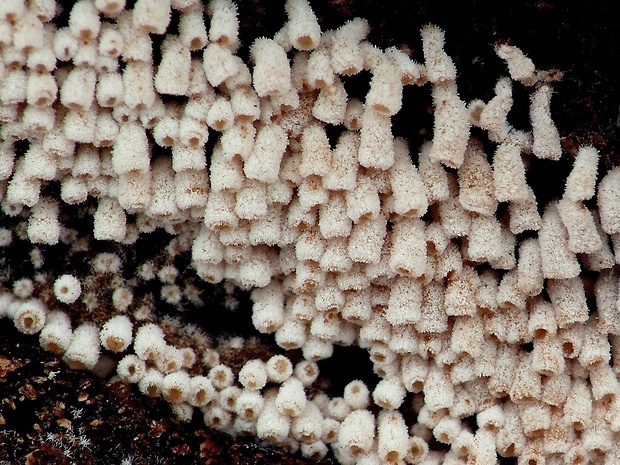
pixel 131 369
pixel 176 387
pixel 151 383
pixel 57 333
pixel 221 376
pixel 253 374
pixel 83 351
pixel 116 333
pixel 29 316
pixel 201 391
pixel 291 398
pixel 67 288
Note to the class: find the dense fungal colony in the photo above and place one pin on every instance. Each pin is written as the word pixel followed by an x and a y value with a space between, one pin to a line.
pixel 491 316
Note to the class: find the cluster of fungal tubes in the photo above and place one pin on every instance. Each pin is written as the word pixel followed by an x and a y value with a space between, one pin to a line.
pixel 492 317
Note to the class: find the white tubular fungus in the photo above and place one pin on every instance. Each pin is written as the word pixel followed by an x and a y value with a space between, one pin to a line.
pixel 557 260
pixel 131 150
pixel 253 374
pixel 603 381
pixel 151 16
pixel 83 351
pixel 173 72
pixel 138 85
pixel 218 418
pixel 343 172
pixel 220 115
pixel 201 391
pixel 389 393
pixel 438 392
pixel 14 87
pixel 315 450
pixel 224 27
pixel 291 398
pixel 271 425
pixel 110 41
pixel 191 188
pixel 192 29
pixel 392 436
pixel 56 334
pixel 116 333
pixel 366 240
pixel 608 201
pixel 303 29
pixel 451 127
pixel 417 450
pixel 414 370
pixel 439 66
pixel 228 397
pixel 110 7
pixel 475 177
pixel 134 194
pixel 606 293
pixel 406 184
pixel 67 289
pixel 331 104
pixel 41 90
pixel 149 342
pixel 249 404
pixel 546 137
pixel 169 359
pixel 353 114
pixel 376 148
pixel 110 220
pixel 346 54
pixel 320 74
pixel 357 395
pixel 530 279
pixel 131 369
pixel 583 236
pixel 493 115
pixel 459 297
pixel 434 259
pixel 29 316
pixel 578 406
pixel 193 133
pixel 263 164
pixel 363 201
pixel 183 411
pixel 581 182
pixel 109 89
pixel 268 314
pixel 447 430
pixel 520 67
pixel 405 302
pixel 219 64
pixel 547 357
pixel 176 387
pixel 84 20
pixel 221 376
pixel 524 215
pixel 12 10
pixel 357 432
pixel 315 152
pixel 509 173
pixel 292 334
pixel 595 349
pixel 43 224
pixel 279 369
pixel 333 220
pixel 272 71
pixel 386 89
